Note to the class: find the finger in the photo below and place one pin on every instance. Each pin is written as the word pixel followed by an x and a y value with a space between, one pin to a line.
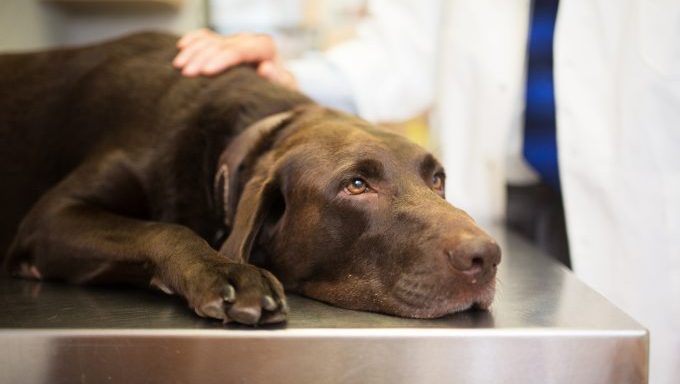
pixel 221 61
pixel 185 55
pixel 240 49
pixel 276 73
pixel 249 47
pixel 233 51
pixel 266 69
pixel 191 36
pixel 287 80
pixel 237 49
pixel 255 48
pixel 197 63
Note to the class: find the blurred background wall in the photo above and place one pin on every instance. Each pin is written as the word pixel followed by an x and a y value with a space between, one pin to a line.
pixel 299 24
pixel 31 24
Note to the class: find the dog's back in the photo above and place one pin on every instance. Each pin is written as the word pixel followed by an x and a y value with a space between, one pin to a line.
pixel 60 108
pixel 49 119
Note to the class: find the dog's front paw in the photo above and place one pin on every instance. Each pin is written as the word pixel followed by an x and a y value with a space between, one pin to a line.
pixel 239 293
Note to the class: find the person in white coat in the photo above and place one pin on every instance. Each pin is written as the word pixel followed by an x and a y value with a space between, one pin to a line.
pixel 617 89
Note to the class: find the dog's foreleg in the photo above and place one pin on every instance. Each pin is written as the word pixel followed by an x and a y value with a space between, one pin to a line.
pixel 66 236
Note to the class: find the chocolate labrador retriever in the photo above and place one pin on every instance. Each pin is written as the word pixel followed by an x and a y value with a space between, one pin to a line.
pixel 116 169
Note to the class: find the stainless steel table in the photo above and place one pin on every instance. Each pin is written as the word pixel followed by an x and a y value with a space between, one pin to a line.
pixel 544 327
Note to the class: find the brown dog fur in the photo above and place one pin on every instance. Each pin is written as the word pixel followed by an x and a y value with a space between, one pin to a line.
pixel 113 171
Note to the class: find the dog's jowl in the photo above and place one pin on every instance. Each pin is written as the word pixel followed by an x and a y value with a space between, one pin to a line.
pixel 224 190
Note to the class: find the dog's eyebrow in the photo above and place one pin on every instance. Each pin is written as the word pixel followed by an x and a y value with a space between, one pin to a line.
pixel 428 165
pixel 369 168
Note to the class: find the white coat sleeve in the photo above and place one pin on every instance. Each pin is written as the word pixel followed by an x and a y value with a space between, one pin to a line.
pixel 322 81
pixel 387 71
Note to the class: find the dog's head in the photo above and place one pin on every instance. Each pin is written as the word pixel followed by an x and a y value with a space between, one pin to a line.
pixel 355 216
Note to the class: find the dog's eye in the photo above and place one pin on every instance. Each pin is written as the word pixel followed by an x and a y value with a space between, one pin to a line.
pixel 438 182
pixel 357 186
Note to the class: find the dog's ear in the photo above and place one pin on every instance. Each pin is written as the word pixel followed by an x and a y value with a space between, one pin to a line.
pixel 258 195
pixel 244 148
pixel 246 211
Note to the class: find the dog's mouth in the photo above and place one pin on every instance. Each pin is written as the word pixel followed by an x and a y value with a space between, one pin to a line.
pixel 485 297
pixel 427 301
pixel 411 296
pixel 481 298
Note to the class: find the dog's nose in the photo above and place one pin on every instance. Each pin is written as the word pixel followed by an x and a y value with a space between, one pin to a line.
pixel 474 254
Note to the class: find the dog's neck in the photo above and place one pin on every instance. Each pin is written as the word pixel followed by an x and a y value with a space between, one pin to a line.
pixel 230 163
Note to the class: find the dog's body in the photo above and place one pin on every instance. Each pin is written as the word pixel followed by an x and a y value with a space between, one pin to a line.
pixel 122 171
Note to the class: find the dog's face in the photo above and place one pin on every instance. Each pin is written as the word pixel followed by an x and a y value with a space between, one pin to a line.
pixel 356 216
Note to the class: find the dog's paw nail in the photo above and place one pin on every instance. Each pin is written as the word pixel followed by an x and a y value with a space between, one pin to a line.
pixel 229 294
pixel 273 318
pixel 214 310
pixel 268 303
pixel 245 315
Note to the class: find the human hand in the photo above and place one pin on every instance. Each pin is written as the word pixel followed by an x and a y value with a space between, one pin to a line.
pixel 204 52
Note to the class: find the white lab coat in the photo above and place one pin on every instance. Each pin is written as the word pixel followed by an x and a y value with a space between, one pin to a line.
pixel 617 78
pixel 617 66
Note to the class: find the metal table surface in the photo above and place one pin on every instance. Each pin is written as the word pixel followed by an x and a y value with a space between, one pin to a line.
pixel 544 327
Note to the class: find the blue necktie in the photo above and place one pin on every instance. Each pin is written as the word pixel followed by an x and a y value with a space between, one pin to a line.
pixel 540 145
